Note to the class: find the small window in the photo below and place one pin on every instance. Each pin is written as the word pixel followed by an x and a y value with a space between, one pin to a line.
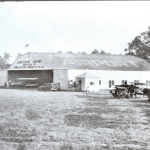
pixel 148 82
pixel 124 82
pixel 136 81
pixel 111 82
pixel 92 83
pixel 99 82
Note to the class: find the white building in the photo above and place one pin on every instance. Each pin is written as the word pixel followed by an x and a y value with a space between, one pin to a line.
pixel 3 76
pixel 106 70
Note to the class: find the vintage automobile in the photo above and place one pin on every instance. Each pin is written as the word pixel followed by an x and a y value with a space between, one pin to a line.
pixel 120 92
pixel 130 90
pixel 146 91
pixel 136 88
pixel 50 87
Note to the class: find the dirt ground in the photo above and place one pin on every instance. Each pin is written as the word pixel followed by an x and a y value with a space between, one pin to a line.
pixel 37 120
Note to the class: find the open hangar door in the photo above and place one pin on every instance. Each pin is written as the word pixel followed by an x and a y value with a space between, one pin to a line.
pixel 44 76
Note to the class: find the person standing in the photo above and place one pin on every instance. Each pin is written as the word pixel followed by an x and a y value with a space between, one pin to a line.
pixel 76 87
pixel 87 90
pixel 7 84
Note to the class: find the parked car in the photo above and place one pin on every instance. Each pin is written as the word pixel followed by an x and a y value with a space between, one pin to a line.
pixel 130 90
pixel 136 88
pixel 50 87
pixel 146 91
pixel 120 92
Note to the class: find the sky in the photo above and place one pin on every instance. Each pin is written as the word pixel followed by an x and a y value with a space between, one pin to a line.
pixel 77 26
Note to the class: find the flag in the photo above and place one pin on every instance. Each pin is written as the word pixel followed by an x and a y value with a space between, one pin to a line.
pixel 26 45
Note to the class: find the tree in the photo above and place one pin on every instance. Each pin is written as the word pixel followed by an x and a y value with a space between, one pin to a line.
pixel 59 52
pixel 4 61
pixel 109 54
pixel 6 56
pixel 95 51
pixel 83 52
pixel 70 52
pixel 18 55
pixel 102 52
pixel 140 46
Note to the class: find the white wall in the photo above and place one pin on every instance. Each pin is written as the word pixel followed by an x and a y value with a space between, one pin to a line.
pixel 3 77
pixel 61 76
pixel 95 87
pixel 117 76
pixel 86 83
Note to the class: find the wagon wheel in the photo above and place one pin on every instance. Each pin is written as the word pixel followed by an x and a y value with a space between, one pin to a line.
pixel 130 95
pixel 135 94
pixel 124 95
pixel 113 94
pixel 127 95
pixel 120 95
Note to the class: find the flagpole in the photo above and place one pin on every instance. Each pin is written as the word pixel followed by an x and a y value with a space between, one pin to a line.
pixel 28 50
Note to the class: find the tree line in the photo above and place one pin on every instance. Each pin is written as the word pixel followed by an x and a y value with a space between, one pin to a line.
pixel 139 47
pixel 4 61
pixel 95 51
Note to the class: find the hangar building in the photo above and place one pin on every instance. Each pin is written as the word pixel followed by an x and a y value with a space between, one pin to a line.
pixel 94 70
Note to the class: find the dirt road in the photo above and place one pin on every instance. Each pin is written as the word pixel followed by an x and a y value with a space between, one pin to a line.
pixel 33 120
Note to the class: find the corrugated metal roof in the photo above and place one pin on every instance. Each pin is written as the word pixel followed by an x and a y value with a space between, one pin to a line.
pixel 39 61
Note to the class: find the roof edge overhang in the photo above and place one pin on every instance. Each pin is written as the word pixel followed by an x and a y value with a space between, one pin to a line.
pixel 86 78
pixel 80 78
pixel 36 69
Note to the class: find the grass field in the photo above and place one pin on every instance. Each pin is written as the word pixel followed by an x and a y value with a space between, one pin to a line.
pixel 33 120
